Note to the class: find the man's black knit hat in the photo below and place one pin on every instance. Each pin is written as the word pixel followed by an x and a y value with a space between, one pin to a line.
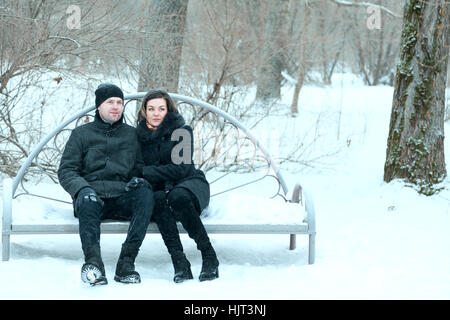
pixel 105 91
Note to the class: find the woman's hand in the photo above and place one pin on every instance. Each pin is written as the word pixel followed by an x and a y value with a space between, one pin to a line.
pixel 136 183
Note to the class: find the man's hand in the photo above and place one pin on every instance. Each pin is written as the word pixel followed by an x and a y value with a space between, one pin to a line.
pixel 87 194
pixel 136 183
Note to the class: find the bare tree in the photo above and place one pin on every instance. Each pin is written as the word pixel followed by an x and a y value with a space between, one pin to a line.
pixel 331 39
pixel 225 57
pixel 376 48
pixel 303 56
pixel 161 45
pixel 36 41
pixel 271 65
pixel 415 146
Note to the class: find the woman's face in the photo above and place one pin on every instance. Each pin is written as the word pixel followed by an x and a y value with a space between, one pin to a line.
pixel 155 111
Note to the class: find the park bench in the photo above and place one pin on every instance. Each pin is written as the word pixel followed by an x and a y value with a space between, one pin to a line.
pixel 233 208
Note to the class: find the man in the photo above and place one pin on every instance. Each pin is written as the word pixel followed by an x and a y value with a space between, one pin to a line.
pixel 100 169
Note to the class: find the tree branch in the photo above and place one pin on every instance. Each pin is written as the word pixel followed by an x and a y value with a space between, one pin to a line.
pixel 365 4
pixel 66 38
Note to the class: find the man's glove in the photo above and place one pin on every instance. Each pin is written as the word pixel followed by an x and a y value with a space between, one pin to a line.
pixel 136 183
pixel 87 194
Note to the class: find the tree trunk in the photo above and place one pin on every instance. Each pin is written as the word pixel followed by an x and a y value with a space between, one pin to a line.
pixel 269 78
pixel 303 56
pixel 415 147
pixel 162 45
pixel 379 63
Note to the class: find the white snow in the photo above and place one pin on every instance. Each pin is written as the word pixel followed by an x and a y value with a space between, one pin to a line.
pixel 374 240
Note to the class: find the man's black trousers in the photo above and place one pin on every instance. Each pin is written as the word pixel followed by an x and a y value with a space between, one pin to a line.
pixel 135 206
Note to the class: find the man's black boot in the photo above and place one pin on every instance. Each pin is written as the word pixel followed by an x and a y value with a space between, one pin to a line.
pixel 125 272
pixel 182 267
pixel 210 265
pixel 93 270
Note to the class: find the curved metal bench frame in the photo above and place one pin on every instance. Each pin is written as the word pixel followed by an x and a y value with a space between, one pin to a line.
pixel 299 194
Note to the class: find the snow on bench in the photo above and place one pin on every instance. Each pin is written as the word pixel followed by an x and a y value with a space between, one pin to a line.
pixel 233 209
pixel 241 203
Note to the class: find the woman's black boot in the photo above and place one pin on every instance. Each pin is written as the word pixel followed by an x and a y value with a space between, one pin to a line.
pixel 210 265
pixel 184 210
pixel 182 268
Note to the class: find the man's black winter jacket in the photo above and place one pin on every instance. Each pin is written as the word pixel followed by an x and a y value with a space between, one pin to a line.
pixel 102 156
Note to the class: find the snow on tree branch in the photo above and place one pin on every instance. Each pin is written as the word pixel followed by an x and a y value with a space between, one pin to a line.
pixel 365 4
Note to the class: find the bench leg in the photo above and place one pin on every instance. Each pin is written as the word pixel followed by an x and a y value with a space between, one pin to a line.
pixel 7 218
pixel 292 242
pixel 312 248
pixel 5 247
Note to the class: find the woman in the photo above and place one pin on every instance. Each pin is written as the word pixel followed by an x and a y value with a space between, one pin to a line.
pixel 181 191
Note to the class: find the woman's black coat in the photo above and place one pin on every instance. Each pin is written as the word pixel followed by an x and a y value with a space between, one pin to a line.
pixel 159 170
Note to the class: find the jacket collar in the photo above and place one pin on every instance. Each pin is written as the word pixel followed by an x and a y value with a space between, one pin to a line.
pixel 105 125
pixel 171 121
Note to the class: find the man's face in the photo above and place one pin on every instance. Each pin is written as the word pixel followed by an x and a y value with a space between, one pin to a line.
pixel 111 109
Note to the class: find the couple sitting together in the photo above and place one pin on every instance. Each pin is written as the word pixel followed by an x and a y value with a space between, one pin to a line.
pixel 115 171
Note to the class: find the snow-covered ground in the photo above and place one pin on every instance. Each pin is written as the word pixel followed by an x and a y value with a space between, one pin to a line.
pixel 374 240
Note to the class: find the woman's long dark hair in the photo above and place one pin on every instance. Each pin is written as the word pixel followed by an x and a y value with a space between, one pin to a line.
pixel 153 94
